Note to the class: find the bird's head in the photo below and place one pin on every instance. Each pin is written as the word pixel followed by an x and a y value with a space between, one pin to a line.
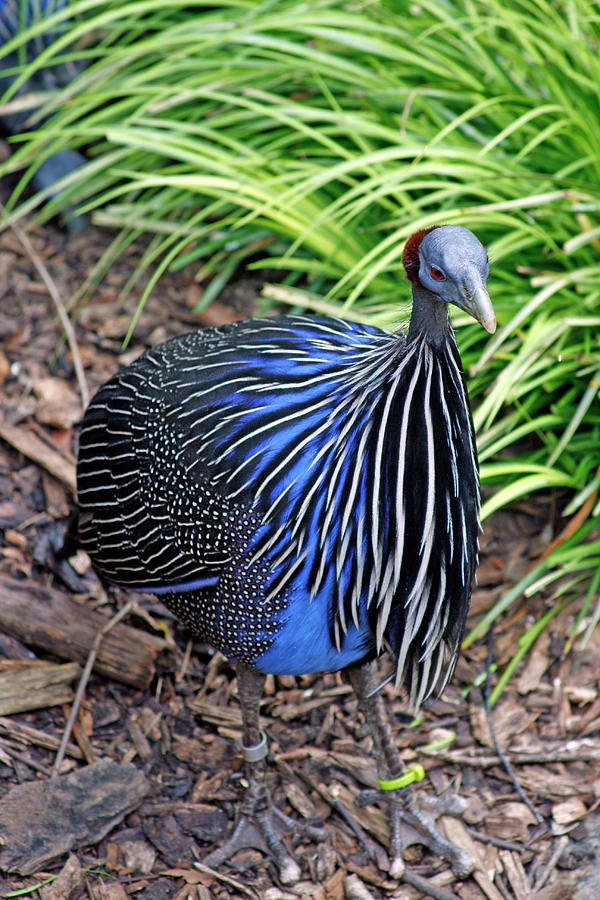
pixel 451 263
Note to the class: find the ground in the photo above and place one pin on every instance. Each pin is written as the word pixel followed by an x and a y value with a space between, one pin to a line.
pixel 180 730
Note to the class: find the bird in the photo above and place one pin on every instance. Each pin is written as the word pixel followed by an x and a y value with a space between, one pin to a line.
pixel 303 493
pixel 14 16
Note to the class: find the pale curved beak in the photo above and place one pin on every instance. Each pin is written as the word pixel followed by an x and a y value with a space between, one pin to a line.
pixel 479 305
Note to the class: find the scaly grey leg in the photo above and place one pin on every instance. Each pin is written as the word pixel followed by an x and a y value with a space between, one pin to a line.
pixel 412 816
pixel 260 824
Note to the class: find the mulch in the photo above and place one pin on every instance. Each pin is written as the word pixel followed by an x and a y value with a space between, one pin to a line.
pixel 173 740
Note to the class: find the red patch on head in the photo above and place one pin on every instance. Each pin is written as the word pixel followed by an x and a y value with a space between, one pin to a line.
pixel 410 255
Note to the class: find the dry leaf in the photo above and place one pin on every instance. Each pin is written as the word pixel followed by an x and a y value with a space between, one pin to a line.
pixel 58 405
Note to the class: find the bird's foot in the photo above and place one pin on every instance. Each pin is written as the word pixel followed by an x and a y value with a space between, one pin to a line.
pixel 261 826
pixel 413 820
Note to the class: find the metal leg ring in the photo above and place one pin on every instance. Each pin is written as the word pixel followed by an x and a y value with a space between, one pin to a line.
pixel 258 751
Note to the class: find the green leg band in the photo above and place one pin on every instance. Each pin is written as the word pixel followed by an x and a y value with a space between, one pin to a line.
pixel 413 773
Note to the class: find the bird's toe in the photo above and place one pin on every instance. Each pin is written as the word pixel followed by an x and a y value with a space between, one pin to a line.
pixel 414 821
pixel 263 830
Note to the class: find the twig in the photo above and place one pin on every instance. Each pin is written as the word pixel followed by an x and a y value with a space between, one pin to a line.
pixel 20 757
pixel 226 880
pixel 426 887
pixel 505 761
pixel 180 674
pixel 550 865
pixel 85 675
pixel 524 759
pixel 58 305
pixel 484 838
pixel 374 851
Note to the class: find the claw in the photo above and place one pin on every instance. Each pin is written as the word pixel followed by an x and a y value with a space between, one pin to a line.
pixel 413 821
pixel 261 826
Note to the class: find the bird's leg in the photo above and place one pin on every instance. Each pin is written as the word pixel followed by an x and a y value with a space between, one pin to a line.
pixel 260 823
pixel 412 817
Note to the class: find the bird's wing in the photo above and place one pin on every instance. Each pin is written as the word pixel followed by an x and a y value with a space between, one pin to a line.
pixel 183 454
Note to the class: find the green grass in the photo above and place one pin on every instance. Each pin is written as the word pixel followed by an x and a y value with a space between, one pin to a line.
pixel 315 137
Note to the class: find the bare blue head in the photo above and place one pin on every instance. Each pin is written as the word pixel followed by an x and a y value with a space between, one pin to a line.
pixel 451 263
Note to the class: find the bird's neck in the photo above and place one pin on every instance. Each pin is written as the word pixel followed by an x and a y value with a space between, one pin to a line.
pixel 429 319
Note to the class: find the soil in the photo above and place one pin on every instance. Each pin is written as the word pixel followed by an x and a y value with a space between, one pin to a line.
pixel 539 842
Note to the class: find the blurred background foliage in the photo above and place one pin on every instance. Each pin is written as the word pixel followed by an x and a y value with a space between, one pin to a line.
pixel 313 138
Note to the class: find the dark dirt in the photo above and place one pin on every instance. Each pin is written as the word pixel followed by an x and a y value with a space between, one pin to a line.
pixel 181 732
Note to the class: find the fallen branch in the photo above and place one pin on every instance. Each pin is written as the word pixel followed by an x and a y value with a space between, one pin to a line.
pixel 48 619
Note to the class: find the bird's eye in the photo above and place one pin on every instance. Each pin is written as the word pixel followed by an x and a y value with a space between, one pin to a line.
pixel 437 274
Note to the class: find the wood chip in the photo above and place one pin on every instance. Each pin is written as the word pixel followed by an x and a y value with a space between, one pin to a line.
pixel 355 889
pixel 515 873
pixel 299 800
pixel 579 693
pixel 36 687
pixel 363 768
pixel 537 663
pixel 509 821
pixel 57 503
pixel 138 856
pixel 86 804
pixel 457 833
pixel 371 818
pixel 69 884
pixel 568 811
pixel 109 890
pixel 509 718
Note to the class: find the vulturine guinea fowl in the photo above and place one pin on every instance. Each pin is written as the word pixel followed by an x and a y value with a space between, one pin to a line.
pixel 303 493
